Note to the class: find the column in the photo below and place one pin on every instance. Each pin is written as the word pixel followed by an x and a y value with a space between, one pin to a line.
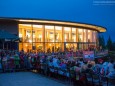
pixel 87 37
pixel 43 37
pixel 77 38
pixel 54 39
pixel 70 34
pixel 62 38
pixel 83 40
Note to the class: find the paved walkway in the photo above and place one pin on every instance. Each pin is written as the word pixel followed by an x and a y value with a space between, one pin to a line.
pixel 26 79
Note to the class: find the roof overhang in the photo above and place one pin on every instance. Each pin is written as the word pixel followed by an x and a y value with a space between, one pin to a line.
pixel 63 23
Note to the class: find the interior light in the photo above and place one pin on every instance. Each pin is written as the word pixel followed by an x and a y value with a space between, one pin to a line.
pixel 88 30
pixel 67 28
pixel 100 29
pixel 73 29
pixel 84 30
pixel 33 36
pixel 49 44
pixel 40 36
pixel 80 30
pixel 58 27
pixel 28 35
pixel 30 41
pixel 49 27
pixel 88 37
pixel 20 35
pixel 38 26
pixel 28 25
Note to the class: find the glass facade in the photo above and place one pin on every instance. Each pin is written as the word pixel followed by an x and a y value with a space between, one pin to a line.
pixel 53 38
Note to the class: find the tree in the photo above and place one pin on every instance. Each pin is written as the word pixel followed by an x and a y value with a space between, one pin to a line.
pixel 113 46
pixel 101 42
pixel 109 43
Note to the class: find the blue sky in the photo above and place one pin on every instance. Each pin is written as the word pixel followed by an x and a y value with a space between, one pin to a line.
pixel 84 11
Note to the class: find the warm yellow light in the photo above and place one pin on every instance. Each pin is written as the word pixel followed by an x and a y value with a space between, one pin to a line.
pixel 67 28
pixel 38 26
pixel 28 25
pixel 52 40
pixel 51 36
pixel 81 36
pixel 74 38
pixel 20 35
pixel 93 27
pixel 84 30
pixel 49 27
pixel 88 30
pixel 73 29
pixel 49 44
pixel 40 36
pixel 30 41
pixel 26 45
pixel 33 36
pixel 28 35
pixel 58 27
pixel 88 36
pixel 80 30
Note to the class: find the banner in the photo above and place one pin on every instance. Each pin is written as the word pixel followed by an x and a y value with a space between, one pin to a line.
pixel 89 55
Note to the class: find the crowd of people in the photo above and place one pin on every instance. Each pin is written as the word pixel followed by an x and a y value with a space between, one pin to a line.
pixel 65 61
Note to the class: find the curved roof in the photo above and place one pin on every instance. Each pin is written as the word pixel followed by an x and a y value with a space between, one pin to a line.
pixel 63 23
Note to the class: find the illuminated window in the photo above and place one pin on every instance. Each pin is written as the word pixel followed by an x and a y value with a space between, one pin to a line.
pixel 58 34
pixel 80 35
pixel 49 33
pixel 67 34
pixel 73 34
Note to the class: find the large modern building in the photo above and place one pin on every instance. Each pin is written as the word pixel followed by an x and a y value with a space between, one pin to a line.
pixel 50 35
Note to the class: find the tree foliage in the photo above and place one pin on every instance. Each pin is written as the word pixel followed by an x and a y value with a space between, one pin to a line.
pixel 101 42
pixel 109 43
